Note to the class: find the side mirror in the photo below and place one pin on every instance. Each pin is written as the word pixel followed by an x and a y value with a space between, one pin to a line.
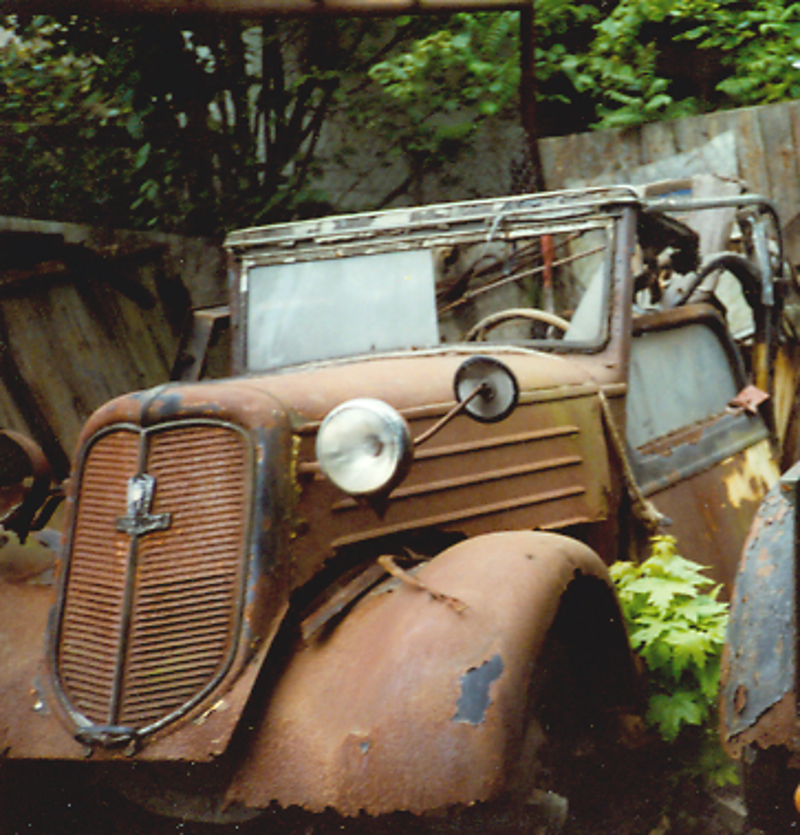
pixel 27 497
pixel 487 389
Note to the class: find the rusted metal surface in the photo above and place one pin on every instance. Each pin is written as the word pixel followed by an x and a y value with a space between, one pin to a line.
pixel 23 462
pixel 221 600
pixel 153 625
pixel 428 708
pixel 184 601
pixel 710 511
pixel 761 657
pixel 707 471
pixel 543 469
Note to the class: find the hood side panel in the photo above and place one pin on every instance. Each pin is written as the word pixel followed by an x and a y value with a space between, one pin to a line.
pixel 541 470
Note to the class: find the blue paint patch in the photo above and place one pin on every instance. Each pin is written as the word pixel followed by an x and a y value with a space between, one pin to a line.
pixel 762 625
pixel 475 683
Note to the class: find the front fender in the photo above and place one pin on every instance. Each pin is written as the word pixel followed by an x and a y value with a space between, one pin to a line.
pixel 417 699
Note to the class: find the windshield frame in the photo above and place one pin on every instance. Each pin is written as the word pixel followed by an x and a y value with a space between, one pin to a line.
pixel 395 231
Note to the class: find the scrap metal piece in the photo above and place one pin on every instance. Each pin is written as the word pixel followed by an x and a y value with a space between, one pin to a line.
pixel 749 399
pixel 340 600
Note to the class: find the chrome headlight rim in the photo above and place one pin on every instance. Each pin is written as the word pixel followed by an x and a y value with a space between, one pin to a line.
pixel 364 447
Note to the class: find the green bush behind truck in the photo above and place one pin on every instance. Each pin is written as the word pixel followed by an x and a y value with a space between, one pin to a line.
pixel 366 571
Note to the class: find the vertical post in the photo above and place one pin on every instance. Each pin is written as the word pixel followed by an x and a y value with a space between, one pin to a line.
pixel 527 91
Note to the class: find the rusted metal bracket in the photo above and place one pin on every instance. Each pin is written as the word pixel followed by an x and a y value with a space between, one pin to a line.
pixel 340 600
pixel 409 579
pixel 202 328
pixel 643 509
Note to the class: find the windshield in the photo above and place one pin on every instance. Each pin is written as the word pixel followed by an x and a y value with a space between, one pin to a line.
pixel 548 291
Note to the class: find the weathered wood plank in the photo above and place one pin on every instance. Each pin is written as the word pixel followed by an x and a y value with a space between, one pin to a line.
pixel 780 158
pixel 767 141
pixel 658 142
pixel 752 166
pixel 83 336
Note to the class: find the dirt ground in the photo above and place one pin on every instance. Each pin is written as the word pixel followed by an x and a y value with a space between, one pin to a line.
pixel 638 798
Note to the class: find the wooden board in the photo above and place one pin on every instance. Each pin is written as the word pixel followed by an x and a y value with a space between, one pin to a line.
pixel 101 315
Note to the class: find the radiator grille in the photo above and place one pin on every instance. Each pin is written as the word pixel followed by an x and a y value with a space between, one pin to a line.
pixel 149 622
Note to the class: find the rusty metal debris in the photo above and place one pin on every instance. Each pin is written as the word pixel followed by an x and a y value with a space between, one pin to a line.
pixel 749 399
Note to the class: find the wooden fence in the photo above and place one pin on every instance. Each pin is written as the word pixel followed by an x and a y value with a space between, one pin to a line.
pixel 766 140
pixel 86 315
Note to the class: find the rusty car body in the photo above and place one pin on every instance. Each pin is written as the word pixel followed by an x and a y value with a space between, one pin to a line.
pixel 366 572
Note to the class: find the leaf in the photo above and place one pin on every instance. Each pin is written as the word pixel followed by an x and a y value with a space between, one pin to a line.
pixel 690 647
pixel 658 102
pixel 659 590
pixel 708 679
pixel 141 156
pixel 701 608
pixel 670 713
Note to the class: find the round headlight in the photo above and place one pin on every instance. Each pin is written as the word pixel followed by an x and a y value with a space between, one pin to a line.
pixel 364 447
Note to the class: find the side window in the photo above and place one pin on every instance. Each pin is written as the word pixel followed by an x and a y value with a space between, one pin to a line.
pixel 679 376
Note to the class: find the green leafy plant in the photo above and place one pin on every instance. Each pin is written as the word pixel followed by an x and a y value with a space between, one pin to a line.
pixel 434 93
pixel 677 626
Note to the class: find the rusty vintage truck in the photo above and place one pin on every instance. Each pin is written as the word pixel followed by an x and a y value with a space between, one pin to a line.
pixel 366 571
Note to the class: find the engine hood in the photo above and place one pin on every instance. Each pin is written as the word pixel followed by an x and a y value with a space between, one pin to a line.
pixel 410 382
pixel 306 394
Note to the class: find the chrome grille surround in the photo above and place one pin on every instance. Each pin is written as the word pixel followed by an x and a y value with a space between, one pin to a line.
pixel 149 617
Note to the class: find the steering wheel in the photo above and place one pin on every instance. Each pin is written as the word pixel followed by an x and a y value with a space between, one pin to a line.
pixel 477 332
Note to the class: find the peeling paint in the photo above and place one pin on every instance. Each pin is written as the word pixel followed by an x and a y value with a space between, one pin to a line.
pixel 757 473
pixel 762 663
pixel 475 685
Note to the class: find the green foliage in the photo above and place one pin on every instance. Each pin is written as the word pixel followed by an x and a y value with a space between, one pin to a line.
pixel 653 59
pixel 677 625
pixel 144 122
pixel 474 63
pixel 760 43
pixel 138 122
pixel 434 94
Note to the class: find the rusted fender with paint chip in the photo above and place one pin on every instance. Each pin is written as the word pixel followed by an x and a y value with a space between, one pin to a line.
pixel 759 668
pixel 418 699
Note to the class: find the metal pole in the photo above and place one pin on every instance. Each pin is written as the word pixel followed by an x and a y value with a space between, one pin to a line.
pixel 527 92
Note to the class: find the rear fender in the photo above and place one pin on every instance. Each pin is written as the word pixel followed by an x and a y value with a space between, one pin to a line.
pixel 417 700
pixel 759 667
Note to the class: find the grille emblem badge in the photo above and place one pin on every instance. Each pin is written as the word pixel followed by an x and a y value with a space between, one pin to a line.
pixel 138 521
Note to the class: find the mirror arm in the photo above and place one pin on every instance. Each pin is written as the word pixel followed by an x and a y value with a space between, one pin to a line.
pixel 456 410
